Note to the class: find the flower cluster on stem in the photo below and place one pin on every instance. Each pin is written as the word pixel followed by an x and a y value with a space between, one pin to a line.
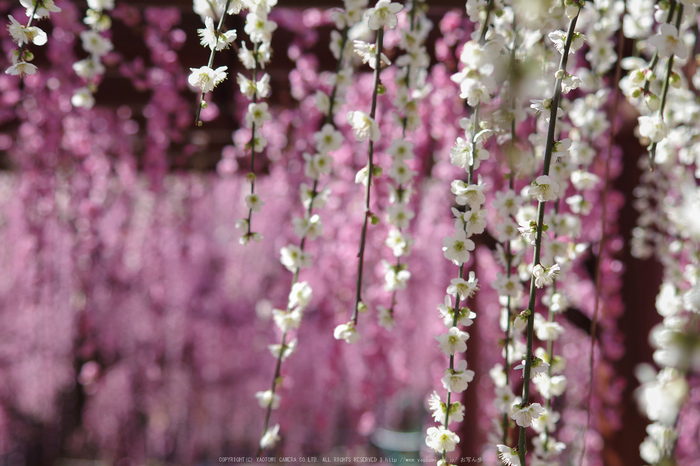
pixel 411 88
pixel 24 35
pixel 259 29
pixel 96 44
pixel 307 227
pixel 476 84
pixel 365 127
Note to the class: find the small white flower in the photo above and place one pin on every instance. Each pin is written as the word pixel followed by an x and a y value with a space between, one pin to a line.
pixel 289 348
pixel 667 42
pixel 100 5
pixel 385 318
pixel 88 68
pixel 271 437
pixel 82 98
pixel 544 189
pixel 254 202
pixel 456 249
pixel 653 127
pixel 465 289
pixel 505 399
pixel 507 203
pixel 257 114
pixel 363 126
pixel 399 243
pixel 95 44
pixel 545 275
pixel 383 15
pixel 441 439
pixel 293 258
pixel 300 296
pixel 538 366
pixel 368 53
pixel 21 68
pixel 550 387
pixel 400 149
pixel 525 415
pixel 268 399
pixel 259 28
pixel 454 341
pixel 508 455
pixel 547 420
pixel 287 320
pixel 559 40
pixel 328 139
pixel 457 380
pixel 346 332
pixel 214 41
pixel 45 8
pixel 399 215
pixel 205 78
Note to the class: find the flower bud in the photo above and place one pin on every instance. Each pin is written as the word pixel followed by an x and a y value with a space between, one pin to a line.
pixel 559 74
pixel 377 171
pixel 674 80
pixel 361 307
pixel 653 102
pixel 373 219
pixel 636 92
pixel 381 90
pixel 250 176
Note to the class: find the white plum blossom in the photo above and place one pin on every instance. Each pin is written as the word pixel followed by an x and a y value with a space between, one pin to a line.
pixel 653 127
pixel 287 320
pixel 525 415
pixel 271 437
pixel 214 41
pixel 363 126
pixel 328 139
pixel 544 189
pixel 457 380
pixel 538 366
pixel 259 28
pixel 45 8
pixel 383 15
pixel 293 258
pixel 82 98
pixel 399 243
pixel 441 439
pixel 667 42
pixel 465 289
pixel 545 275
pixel 257 114
pixel 95 44
pixel 368 53
pixel 346 332
pixel 268 399
pixel 456 249
pixel 205 78
pixel 299 296
pixel 508 455
pixel 454 341
pixel 254 202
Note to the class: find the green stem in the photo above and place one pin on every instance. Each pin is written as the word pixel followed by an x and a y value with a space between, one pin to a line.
pixel 370 165
pixel 522 446
pixel 252 140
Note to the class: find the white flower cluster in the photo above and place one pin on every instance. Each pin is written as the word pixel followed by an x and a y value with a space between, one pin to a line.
pixel 97 45
pixel 411 87
pixel 23 35
pixel 652 91
pixel 307 227
pixel 365 126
